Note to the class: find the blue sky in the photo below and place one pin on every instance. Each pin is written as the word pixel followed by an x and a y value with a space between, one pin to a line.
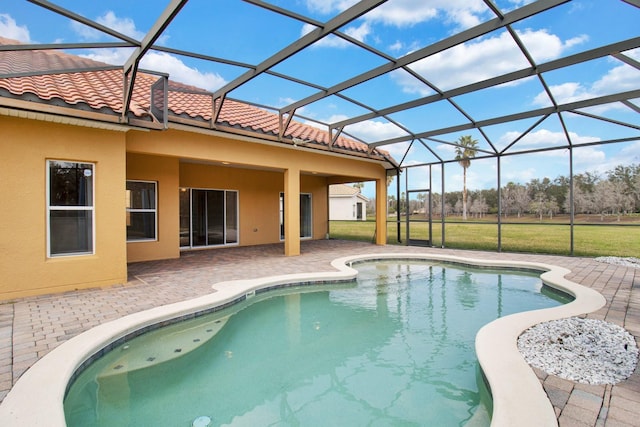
pixel 242 32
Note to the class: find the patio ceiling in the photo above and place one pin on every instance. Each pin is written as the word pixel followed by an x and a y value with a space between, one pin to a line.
pixel 503 71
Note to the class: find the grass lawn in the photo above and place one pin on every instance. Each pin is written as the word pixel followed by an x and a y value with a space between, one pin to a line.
pixel 589 240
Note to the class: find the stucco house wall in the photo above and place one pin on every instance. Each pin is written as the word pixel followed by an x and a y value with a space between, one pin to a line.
pixel 25 147
pixel 89 186
pixel 345 202
pixel 173 159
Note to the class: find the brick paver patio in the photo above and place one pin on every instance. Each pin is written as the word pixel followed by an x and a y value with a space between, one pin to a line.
pixel 31 327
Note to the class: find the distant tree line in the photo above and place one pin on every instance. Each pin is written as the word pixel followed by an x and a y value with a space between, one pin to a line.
pixel 617 192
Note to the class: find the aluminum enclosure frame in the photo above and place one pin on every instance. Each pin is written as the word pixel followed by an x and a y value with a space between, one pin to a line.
pixel 501 20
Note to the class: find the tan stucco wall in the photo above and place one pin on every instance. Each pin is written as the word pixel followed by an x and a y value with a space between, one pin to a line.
pixel 196 146
pixel 258 196
pixel 174 158
pixel 165 171
pixel 25 146
pixel 258 171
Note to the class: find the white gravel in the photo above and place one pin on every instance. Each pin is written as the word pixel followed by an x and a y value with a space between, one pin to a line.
pixel 627 262
pixel 582 350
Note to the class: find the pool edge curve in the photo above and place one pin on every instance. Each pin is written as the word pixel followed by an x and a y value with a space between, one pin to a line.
pixel 36 399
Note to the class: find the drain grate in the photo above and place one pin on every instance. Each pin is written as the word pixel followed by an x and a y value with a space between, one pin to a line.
pixel 202 421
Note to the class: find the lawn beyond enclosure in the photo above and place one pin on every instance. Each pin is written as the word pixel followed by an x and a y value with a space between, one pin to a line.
pixel 589 240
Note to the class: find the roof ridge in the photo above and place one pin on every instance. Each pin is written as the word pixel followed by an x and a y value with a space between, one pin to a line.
pixel 82 61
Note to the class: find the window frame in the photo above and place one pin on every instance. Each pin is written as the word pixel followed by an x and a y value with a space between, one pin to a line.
pixel 144 210
pixel 62 208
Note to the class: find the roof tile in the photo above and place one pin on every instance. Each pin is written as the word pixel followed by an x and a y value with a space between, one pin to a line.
pixel 101 89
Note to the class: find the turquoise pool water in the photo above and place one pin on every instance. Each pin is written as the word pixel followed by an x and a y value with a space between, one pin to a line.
pixel 394 348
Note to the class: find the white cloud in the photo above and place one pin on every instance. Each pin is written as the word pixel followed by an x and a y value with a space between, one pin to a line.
pixel 156 61
pixel 576 41
pixel 368 130
pixel 110 56
pixel 522 169
pixel 11 30
pixel 329 6
pixel 163 62
pixel 397 46
pixel 374 130
pixel 620 78
pixel 359 33
pixel 565 92
pixel 588 156
pixel 602 159
pixel 479 60
pixel 624 154
pixel 446 149
pixel 519 175
pixel 401 14
pixel 398 150
pixel 406 13
pixel 544 46
pixel 629 153
pixel 544 138
pixel 125 26
pixel 180 72
pixel 284 101
pixel 327 41
pixel 477 177
pixel 85 32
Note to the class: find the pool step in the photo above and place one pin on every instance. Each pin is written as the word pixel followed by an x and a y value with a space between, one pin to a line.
pixel 162 345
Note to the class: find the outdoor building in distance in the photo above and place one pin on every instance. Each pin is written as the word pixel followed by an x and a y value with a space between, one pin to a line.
pixel 346 203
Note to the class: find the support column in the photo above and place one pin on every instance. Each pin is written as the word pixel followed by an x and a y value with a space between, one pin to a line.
pixel 292 212
pixel 381 211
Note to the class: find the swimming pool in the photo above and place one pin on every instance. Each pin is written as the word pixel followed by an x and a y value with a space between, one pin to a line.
pixel 517 395
pixel 394 347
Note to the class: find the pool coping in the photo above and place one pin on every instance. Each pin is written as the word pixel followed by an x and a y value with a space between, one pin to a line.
pixel 518 397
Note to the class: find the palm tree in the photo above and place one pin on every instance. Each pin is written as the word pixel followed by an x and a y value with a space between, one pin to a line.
pixel 465 151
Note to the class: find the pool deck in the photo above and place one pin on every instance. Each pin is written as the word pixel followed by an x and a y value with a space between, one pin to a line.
pixel 31 327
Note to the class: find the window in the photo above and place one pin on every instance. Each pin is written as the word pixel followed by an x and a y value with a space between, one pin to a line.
pixel 141 210
pixel 305 216
pixel 70 213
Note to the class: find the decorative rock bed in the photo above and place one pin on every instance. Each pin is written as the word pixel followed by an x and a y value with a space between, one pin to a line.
pixel 583 350
pixel 627 262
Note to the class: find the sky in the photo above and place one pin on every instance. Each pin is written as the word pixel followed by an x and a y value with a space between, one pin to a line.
pixel 247 34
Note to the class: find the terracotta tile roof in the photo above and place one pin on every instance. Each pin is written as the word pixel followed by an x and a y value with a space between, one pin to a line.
pixel 57 80
pixel 40 60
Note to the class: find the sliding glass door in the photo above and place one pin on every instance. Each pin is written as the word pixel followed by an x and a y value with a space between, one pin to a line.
pixel 306 222
pixel 208 217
